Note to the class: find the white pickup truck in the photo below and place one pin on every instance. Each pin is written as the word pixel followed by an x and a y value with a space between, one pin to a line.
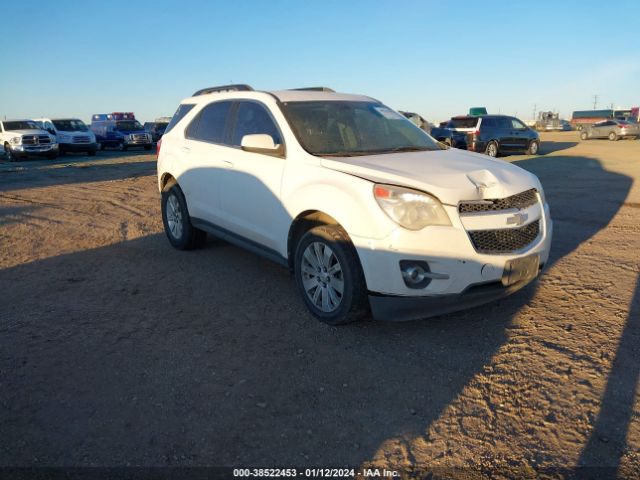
pixel 71 133
pixel 24 138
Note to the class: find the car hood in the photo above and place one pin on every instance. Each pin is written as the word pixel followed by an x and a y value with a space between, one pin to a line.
pixel 451 175
pixel 29 131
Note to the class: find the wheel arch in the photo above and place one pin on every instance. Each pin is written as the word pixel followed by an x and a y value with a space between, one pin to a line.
pixel 304 222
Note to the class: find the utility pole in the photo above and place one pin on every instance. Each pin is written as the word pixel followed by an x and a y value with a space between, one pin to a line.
pixel 535 106
pixel 595 102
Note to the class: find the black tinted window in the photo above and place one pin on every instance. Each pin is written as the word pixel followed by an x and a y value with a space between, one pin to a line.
pixel 253 118
pixel 503 123
pixel 209 125
pixel 464 122
pixel 488 123
pixel 179 115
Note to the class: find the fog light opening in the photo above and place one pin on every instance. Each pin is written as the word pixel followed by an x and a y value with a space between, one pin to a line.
pixel 415 273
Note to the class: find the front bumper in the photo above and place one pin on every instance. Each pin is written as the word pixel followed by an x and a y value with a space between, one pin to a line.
pixel 399 308
pixel 79 147
pixel 34 150
pixel 459 274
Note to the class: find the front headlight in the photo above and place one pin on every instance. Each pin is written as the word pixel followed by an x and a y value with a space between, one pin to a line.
pixel 410 208
pixel 16 140
pixel 543 199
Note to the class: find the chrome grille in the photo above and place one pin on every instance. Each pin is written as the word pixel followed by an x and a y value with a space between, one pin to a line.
pixel 36 140
pixel 518 201
pixel 505 240
pixel 81 139
pixel 139 138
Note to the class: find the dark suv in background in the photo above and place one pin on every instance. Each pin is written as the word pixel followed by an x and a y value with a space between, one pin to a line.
pixel 497 134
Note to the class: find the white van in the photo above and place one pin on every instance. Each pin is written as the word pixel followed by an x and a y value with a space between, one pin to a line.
pixel 72 134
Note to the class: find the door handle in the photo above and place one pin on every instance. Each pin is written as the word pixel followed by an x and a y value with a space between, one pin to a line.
pixel 186 149
pixel 227 163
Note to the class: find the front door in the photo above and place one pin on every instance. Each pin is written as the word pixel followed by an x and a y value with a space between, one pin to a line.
pixel 250 184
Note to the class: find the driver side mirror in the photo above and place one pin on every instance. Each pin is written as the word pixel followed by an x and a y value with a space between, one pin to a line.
pixel 261 143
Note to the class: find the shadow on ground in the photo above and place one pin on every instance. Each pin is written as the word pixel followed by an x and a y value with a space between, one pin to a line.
pixel 136 353
pixel 73 169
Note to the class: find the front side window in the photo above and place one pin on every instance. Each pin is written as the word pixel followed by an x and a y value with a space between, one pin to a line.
pixel 209 125
pixel 350 128
pixel 517 124
pixel 253 118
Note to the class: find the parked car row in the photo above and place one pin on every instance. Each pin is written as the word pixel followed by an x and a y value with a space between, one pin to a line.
pixel 483 133
pixel 50 137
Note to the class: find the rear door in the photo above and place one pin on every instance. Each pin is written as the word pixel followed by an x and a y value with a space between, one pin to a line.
pixel 503 133
pixel 250 182
pixel 204 152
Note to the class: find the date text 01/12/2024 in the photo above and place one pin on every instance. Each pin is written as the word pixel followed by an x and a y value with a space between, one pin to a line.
pixel 314 473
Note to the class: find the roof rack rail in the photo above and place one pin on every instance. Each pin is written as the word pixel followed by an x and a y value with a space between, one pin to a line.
pixel 239 87
pixel 315 89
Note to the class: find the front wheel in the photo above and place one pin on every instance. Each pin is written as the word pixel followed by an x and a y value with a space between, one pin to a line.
pixel 177 224
pixel 91 153
pixel 492 149
pixel 147 147
pixel 534 148
pixel 8 153
pixel 329 276
pixel 613 137
pixel 584 135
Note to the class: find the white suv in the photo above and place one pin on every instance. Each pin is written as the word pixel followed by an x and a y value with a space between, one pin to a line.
pixel 367 210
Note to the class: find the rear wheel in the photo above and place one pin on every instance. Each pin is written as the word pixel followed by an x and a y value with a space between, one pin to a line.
pixel 584 135
pixel 329 276
pixel 122 147
pixel 91 153
pixel 492 149
pixel 177 224
pixel 613 136
pixel 534 147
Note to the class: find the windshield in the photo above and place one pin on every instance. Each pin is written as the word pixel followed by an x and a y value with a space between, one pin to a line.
pixel 21 125
pixel 128 126
pixel 341 128
pixel 161 127
pixel 70 125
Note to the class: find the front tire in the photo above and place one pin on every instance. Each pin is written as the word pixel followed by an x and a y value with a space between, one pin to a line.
pixel 492 149
pixel 329 276
pixel 177 223
pixel 8 153
pixel 584 135
pixel 613 137
pixel 534 148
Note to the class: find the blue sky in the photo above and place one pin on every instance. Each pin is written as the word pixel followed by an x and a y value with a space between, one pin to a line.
pixel 72 58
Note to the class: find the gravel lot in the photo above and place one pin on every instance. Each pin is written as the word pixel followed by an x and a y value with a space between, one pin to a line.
pixel 118 350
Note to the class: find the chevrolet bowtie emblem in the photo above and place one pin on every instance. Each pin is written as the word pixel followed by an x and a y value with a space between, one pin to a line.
pixel 517 219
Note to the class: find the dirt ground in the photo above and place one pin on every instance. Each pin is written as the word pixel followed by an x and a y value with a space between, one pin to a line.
pixel 116 349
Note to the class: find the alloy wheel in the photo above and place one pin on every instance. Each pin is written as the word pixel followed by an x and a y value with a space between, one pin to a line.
pixel 322 277
pixel 174 217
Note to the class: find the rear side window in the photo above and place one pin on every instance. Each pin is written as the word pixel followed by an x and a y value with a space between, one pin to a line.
pixel 254 118
pixel 209 125
pixel 504 123
pixel 488 123
pixel 179 115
